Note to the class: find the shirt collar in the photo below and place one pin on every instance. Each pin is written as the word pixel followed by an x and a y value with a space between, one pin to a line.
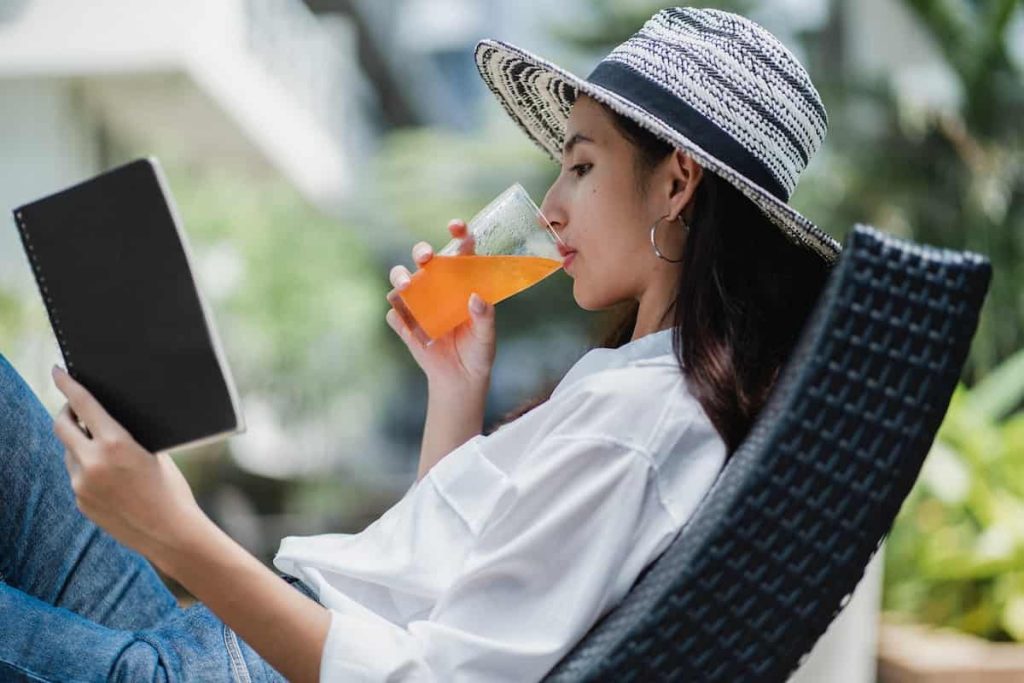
pixel 653 345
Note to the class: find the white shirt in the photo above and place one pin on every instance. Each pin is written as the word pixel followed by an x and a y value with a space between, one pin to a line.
pixel 496 562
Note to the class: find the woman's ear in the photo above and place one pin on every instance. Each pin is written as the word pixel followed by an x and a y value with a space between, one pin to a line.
pixel 686 174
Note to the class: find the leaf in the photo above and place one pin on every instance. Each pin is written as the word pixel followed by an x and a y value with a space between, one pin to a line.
pixel 1012 617
pixel 1001 390
pixel 946 475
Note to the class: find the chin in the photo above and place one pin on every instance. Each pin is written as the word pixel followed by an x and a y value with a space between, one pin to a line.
pixel 590 301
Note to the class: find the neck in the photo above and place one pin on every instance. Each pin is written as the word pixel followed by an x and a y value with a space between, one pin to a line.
pixel 655 312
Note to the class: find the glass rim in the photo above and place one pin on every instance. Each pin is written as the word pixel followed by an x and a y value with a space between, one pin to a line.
pixel 515 188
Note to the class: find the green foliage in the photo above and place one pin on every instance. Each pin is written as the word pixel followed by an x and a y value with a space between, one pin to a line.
pixel 616 20
pixel 424 177
pixel 972 37
pixel 955 556
pixel 302 316
pixel 12 316
pixel 946 173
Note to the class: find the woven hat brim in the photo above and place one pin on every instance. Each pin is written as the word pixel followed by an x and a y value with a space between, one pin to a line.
pixel 538 96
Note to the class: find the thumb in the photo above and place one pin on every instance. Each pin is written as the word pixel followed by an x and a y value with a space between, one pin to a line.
pixel 482 314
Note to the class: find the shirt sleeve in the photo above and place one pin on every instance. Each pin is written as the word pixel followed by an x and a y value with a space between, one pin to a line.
pixel 399 565
pixel 542 569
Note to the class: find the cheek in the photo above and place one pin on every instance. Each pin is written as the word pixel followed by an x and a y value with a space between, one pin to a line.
pixel 601 277
pixel 612 248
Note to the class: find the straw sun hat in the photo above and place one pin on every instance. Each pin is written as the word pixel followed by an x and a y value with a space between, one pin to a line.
pixel 714 84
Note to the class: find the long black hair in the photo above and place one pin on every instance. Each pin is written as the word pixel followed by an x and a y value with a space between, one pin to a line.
pixel 744 293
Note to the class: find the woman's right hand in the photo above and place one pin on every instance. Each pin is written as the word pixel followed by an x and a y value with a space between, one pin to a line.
pixel 465 355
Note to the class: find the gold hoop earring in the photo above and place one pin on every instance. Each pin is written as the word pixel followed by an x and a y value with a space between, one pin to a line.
pixel 657 252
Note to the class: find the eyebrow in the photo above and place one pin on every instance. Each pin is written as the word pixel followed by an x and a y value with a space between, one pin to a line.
pixel 571 142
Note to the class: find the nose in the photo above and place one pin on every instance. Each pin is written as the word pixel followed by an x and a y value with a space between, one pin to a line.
pixel 554 212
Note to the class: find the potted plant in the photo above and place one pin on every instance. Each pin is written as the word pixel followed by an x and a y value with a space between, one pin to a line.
pixel 955 557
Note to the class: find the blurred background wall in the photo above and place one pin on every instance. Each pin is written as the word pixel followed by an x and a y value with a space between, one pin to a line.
pixel 310 144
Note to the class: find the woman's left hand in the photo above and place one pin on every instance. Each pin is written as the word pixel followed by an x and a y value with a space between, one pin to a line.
pixel 140 498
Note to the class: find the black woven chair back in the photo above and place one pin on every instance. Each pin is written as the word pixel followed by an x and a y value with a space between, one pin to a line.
pixel 780 541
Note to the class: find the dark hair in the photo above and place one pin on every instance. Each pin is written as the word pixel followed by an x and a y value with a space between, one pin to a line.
pixel 745 291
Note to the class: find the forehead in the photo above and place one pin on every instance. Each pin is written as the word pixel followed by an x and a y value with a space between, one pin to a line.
pixel 589 118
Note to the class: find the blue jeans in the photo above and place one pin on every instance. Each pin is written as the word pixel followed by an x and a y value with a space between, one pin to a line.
pixel 75 605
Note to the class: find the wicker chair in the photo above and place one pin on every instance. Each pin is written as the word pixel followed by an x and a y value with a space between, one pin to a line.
pixel 777 546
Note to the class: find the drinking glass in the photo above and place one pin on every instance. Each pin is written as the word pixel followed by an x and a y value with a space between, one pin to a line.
pixel 514 248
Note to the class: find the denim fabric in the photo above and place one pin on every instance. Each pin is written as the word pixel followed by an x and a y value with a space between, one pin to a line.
pixel 76 605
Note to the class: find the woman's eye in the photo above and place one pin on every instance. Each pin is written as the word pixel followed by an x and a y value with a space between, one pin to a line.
pixel 580 169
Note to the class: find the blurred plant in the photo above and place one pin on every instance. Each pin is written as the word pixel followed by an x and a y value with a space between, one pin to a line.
pixel 423 177
pixel 613 21
pixel 973 37
pixel 945 170
pixel 955 556
pixel 298 300
pixel 296 292
pixel 12 315
pixel 26 338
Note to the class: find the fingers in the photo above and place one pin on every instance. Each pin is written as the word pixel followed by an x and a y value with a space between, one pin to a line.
pixel 66 428
pixel 75 440
pixel 84 405
pixel 399 276
pixel 421 253
pixel 483 318
pixel 457 227
pixel 71 463
pixel 74 469
pixel 396 323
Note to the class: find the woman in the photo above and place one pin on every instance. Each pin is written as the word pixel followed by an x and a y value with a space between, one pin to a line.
pixel 678 154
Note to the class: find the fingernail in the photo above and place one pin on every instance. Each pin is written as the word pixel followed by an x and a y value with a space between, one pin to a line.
pixel 476 303
pixel 56 370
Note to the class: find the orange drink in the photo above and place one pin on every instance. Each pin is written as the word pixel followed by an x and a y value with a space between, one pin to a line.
pixel 436 299
pixel 509 247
